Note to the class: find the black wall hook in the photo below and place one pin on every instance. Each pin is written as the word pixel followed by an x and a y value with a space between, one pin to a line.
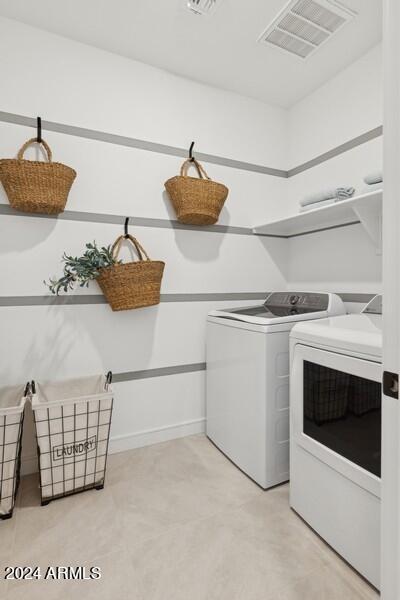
pixel 191 157
pixel 108 381
pixel 126 234
pixel 39 130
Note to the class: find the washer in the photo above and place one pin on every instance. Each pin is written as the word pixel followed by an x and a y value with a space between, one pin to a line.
pixel 248 380
pixel 335 441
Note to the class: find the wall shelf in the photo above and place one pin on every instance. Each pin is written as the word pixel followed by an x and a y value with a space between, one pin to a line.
pixel 365 209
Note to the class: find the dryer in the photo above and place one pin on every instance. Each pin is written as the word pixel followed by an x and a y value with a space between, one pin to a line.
pixel 335 441
pixel 247 376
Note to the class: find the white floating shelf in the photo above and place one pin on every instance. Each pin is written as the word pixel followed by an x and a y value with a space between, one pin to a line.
pixel 365 209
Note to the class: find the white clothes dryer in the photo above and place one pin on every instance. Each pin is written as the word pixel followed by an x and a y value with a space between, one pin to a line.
pixel 335 441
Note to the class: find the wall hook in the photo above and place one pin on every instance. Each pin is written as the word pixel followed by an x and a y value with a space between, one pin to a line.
pixel 126 233
pixel 191 157
pixel 108 380
pixel 39 130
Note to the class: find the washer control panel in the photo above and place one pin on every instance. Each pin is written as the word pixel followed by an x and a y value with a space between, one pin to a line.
pixel 309 300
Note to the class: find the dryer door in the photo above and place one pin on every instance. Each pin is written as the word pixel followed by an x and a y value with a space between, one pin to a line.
pixel 336 412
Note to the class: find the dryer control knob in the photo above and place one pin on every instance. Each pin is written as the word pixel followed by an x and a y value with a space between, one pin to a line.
pixel 294 299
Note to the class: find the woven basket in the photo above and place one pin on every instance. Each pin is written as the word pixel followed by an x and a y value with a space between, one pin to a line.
pixel 35 186
pixel 133 284
pixel 196 201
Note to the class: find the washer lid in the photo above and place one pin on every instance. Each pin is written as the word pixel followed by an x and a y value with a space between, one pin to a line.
pixel 285 307
pixel 358 334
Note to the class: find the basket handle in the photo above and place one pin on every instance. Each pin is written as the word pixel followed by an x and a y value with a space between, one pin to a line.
pixel 116 247
pixel 22 150
pixel 200 169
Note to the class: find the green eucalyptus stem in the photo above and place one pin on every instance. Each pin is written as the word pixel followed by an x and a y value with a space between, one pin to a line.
pixel 80 270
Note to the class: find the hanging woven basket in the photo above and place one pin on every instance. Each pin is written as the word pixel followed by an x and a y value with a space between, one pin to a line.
pixel 134 284
pixel 35 186
pixel 197 201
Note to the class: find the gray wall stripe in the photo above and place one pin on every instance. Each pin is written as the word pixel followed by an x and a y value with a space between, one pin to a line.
pixel 219 297
pixel 73 215
pixel 92 134
pixel 121 140
pixel 51 300
pixel 82 299
pixel 160 372
pixel 354 297
pixel 357 141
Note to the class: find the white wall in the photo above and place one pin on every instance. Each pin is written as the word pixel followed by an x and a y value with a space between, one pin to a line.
pixel 342 260
pixel 70 83
pixel 346 106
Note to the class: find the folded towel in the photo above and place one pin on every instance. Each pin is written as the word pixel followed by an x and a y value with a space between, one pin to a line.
pixel 375 177
pixel 316 205
pixel 340 193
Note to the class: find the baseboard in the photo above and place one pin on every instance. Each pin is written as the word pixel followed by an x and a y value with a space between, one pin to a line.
pixel 138 439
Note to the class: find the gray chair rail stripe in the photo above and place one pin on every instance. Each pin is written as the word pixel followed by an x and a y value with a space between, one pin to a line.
pixel 354 297
pixel 82 299
pixel 349 145
pixel 159 372
pixel 74 215
pixel 120 140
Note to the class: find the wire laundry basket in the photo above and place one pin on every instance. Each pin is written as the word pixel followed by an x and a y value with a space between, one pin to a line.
pixel 72 421
pixel 326 393
pixel 12 403
pixel 364 395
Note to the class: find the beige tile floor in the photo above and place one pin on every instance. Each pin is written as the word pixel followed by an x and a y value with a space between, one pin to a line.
pixel 176 521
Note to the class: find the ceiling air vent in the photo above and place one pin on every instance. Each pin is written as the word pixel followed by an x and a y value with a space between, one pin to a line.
pixel 202 7
pixel 304 25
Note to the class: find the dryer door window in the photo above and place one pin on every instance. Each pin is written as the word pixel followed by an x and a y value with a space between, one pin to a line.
pixel 342 411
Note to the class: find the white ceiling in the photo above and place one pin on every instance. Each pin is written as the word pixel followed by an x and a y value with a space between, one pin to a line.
pixel 219 49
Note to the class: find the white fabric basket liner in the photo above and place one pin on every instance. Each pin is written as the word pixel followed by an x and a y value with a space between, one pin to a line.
pixel 70 391
pixel 12 403
pixel 72 420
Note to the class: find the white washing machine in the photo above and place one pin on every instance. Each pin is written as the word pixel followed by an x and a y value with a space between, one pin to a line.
pixel 335 441
pixel 248 380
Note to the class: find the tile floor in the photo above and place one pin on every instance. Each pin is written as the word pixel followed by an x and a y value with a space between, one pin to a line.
pixel 176 521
